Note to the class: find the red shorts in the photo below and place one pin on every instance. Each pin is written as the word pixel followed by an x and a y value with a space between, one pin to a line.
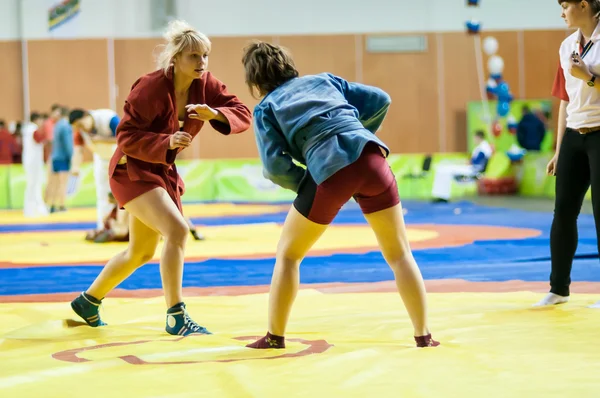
pixel 369 181
pixel 124 190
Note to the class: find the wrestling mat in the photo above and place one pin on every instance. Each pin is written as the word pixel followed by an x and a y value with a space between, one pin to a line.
pixel 349 334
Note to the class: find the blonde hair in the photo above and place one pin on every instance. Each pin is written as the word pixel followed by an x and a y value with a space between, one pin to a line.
pixel 180 36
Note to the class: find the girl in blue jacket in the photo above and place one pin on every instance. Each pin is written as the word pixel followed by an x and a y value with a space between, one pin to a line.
pixel 327 125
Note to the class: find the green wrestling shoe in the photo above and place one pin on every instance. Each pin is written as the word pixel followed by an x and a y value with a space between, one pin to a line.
pixel 88 308
pixel 179 322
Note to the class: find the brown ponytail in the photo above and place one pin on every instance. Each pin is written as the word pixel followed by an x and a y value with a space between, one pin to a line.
pixel 267 67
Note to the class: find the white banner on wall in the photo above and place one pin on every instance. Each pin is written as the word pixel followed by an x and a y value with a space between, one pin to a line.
pixel 63 18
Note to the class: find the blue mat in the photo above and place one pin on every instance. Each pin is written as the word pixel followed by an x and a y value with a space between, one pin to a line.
pixel 337 268
pixel 527 259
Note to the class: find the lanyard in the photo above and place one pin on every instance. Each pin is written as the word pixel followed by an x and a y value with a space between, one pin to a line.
pixel 587 48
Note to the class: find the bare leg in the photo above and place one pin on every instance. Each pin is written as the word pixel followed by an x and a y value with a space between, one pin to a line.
pixel 153 214
pixel 157 210
pixel 51 189
pixel 50 185
pixel 390 230
pixel 298 236
pixel 60 194
pixel 142 245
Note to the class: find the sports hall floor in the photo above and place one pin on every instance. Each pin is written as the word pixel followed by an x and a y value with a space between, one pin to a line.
pixel 485 264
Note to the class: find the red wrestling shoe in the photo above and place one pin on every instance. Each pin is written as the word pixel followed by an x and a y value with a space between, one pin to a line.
pixel 269 341
pixel 426 341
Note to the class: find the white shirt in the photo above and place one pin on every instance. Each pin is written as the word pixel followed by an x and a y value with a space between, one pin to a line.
pixel 485 149
pixel 584 101
pixel 33 152
pixel 102 119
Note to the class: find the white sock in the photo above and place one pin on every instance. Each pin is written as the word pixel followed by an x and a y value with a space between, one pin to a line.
pixel 552 299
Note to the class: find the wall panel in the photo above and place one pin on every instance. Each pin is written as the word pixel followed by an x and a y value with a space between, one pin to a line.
pixel 11 83
pixel 133 59
pixel 69 72
pixel 410 79
pixel 429 90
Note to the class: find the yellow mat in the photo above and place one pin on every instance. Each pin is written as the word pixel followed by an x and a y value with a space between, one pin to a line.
pixel 222 241
pixel 88 214
pixel 353 345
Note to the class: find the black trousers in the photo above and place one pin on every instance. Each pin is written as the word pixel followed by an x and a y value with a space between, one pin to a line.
pixel 578 167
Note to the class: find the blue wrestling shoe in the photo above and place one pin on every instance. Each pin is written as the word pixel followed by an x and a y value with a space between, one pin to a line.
pixel 179 322
pixel 88 308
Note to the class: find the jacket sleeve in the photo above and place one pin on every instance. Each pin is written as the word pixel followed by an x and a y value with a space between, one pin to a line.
pixel 133 132
pixel 237 114
pixel 278 165
pixel 39 135
pixel 371 102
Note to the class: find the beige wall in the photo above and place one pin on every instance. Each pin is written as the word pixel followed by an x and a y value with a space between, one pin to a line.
pixel 429 90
